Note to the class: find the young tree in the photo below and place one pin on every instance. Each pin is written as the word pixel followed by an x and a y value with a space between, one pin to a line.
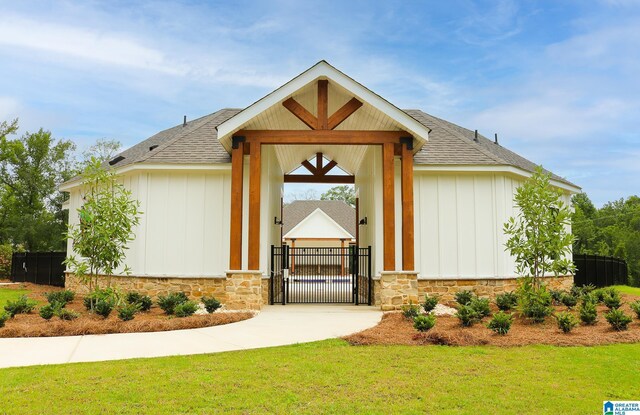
pixel 107 221
pixel 345 193
pixel 104 149
pixel 538 236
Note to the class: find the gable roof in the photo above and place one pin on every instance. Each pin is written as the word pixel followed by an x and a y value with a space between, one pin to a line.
pixel 318 225
pixel 339 211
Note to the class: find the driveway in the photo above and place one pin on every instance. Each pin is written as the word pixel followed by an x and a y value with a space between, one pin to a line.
pixel 273 326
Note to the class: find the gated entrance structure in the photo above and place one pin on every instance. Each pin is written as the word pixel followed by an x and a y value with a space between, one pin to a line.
pixel 320 275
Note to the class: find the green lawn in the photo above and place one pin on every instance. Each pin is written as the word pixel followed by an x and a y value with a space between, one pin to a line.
pixel 628 290
pixel 6 294
pixel 333 377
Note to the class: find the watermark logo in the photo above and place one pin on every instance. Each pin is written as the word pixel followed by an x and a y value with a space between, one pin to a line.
pixel 621 408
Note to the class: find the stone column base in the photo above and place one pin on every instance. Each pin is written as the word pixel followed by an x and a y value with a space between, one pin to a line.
pixel 244 290
pixel 397 288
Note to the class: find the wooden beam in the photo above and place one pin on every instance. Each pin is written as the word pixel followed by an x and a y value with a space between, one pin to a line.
pixel 312 169
pixel 301 112
pixel 254 207
pixel 322 136
pixel 303 178
pixel 323 104
pixel 235 245
pixel 343 113
pixel 326 169
pixel 319 162
pixel 388 214
pixel 408 253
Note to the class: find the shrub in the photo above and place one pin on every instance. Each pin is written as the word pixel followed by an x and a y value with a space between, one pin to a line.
pixel 618 319
pixel 635 306
pixel 588 312
pixel 501 322
pixel 566 321
pixel 507 301
pixel 60 297
pixel 211 304
pixel 556 296
pixel 467 315
pixel 534 302
pixel 569 300
pixel 464 297
pixel 66 314
pixel 20 306
pixel 481 306
pixel 109 295
pixel 169 302
pixel 598 294
pixel 128 311
pixel 612 300
pixel 103 308
pixel 143 301
pixel 424 323
pixel 410 311
pixel 430 302
pixel 48 311
pixel 3 319
pixel 185 309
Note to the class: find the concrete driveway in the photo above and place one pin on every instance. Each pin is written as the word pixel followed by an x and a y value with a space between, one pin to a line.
pixel 275 326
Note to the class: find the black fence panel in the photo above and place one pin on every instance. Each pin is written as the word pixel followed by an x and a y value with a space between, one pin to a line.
pixel 601 271
pixel 44 268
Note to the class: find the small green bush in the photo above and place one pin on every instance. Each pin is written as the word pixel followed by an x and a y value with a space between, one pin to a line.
pixel 481 305
pixel 20 306
pixel 168 303
pixel 535 303
pixel 588 312
pixel 60 297
pixel 467 315
pixel 556 296
pixel 618 319
pixel 128 311
pixel 569 300
pixel 410 311
pixel 612 300
pixel 103 308
pixel 507 301
pixel 430 302
pixel 598 294
pixel 464 297
pixel 211 304
pixel 424 323
pixel 143 301
pixel 635 306
pixel 48 311
pixel 185 309
pixel 66 314
pixel 501 323
pixel 566 321
pixel 110 295
pixel 3 319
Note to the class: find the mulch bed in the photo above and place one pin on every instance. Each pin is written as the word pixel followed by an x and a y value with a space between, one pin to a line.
pixel 32 325
pixel 394 329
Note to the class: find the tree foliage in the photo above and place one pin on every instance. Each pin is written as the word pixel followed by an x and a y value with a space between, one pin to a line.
pixel 538 235
pixel 345 193
pixel 107 221
pixel 103 150
pixel 613 230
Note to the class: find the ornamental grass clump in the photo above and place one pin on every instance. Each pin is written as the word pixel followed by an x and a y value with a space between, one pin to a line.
pixel 410 311
pixel 618 319
pixel 501 323
pixel 507 301
pixel 424 323
pixel 464 297
pixel 211 304
pixel 430 302
pixel 566 321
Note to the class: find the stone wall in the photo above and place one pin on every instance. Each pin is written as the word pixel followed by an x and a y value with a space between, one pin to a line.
pixel 396 289
pixel 447 289
pixel 244 290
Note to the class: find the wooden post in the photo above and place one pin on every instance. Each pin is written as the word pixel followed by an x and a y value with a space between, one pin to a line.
pixel 408 262
pixel 323 104
pixel 388 221
pixel 237 167
pixel 254 207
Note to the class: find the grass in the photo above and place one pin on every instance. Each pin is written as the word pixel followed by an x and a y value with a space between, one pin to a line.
pixel 333 377
pixel 628 290
pixel 7 294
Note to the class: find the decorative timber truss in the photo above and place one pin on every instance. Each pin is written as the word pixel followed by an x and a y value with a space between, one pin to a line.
pixel 319 173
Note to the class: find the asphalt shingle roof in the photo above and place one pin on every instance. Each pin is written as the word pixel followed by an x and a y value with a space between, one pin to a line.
pixel 339 211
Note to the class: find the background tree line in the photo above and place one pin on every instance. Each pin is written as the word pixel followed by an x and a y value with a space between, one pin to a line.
pixel 612 230
pixel 32 167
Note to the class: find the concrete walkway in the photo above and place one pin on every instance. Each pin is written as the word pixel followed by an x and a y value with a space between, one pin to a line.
pixel 274 326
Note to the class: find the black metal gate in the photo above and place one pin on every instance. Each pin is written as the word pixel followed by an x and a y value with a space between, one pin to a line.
pixel 320 275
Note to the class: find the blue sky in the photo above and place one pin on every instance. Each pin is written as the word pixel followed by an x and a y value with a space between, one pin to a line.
pixel 557 80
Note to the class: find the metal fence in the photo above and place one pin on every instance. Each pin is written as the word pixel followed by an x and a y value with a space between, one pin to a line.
pixel 600 271
pixel 45 268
